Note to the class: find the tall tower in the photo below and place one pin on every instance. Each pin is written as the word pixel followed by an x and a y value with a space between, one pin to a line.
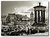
pixel 39 14
pixel 31 16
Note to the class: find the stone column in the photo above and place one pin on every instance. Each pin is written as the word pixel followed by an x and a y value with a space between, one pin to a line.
pixel 43 16
pixel 35 17
pixel 38 16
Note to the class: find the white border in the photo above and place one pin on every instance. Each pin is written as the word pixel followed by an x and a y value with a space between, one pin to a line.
pixel 24 0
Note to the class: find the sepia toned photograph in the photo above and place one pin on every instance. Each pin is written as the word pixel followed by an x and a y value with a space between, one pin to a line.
pixel 24 18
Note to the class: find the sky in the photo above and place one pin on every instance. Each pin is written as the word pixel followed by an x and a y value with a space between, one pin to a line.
pixel 20 7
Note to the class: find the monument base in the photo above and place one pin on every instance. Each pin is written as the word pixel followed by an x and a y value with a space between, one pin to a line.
pixel 40 27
